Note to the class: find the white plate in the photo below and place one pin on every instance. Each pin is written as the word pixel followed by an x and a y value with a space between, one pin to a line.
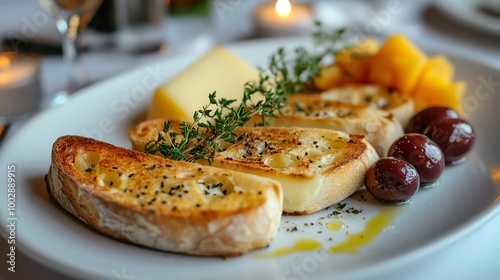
pixel 464 199
pixel 468 12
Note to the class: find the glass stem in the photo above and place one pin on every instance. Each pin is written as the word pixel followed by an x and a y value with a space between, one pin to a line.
pixel 71 53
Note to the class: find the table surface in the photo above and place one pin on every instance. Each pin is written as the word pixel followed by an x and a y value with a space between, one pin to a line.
pixel 473 257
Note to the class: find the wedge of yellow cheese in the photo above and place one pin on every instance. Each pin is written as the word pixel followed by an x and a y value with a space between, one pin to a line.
pixel 218 70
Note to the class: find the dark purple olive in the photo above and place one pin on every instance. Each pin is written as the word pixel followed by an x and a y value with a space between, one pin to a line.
pixel 422 153
pixel 392 180
pixel 454 136
pixel 424 118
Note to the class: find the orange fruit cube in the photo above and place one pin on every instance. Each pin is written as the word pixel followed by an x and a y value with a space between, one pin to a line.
pixel 329 77
pixel 406 71
pixel 399 46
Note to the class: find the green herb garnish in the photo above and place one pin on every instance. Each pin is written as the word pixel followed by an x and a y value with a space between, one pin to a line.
pixel 340 206
pixel 211 127
pixel 215 124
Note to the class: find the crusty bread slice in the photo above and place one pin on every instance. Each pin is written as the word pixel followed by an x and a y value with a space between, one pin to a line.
pixel 146 131
pixel 163 204
pixel 375 96
pixel 380 128
pixel 316 167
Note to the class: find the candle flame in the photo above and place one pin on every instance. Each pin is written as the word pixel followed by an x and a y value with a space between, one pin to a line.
pixel 283 8
pixel 4 62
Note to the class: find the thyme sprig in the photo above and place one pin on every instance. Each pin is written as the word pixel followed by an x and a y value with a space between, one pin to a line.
pixel 214 125
pixel 211 128
pixel 298 73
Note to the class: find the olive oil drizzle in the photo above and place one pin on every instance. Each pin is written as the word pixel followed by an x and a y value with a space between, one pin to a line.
pixel 335 225
pixel 373 228
pixel 301 245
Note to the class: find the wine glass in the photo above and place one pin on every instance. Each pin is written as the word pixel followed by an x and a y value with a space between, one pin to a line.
pixel 72 17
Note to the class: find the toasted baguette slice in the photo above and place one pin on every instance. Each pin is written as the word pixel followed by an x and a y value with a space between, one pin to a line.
pixel 163 204
pixel 310 110
pixel 375 96
pixel 147 131
pixel 316 167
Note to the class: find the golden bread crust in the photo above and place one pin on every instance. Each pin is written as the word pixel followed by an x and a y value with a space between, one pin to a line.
pixel 322 165
pixel 163 204
pixel 332 164
pixel 311 110
pixel 375 96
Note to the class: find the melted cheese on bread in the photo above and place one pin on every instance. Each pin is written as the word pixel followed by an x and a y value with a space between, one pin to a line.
pixel 163 204
pixel 311 110
pixel 316 167
pixel 375 96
